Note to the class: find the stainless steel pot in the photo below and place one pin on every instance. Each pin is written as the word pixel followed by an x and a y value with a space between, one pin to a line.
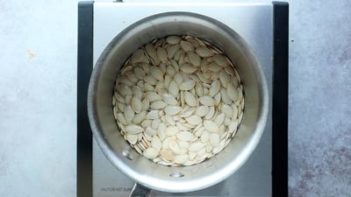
pixel 137 167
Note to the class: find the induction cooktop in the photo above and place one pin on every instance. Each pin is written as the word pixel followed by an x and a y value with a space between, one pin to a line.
pixel 264 27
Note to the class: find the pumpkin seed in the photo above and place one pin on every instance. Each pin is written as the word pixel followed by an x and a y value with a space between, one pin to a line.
pixel 187 68
pixel 187 85
pixel 186 46
pixel 204 52
pixel 134 129
pixel 194 59
pixel 150 153
pixel 190 99
pixel 173 39
pixel 211 126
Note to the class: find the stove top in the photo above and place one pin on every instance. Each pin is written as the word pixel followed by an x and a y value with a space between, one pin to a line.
pixel 258 24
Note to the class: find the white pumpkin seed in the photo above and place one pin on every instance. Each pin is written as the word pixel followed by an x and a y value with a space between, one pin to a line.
pixel 217 149
pixel 202 110
pixel 121 118
pixel 187 85
pixel 161 54
pixel 171 131
pixel 169 120
pixel 128 113
pixel 140 85
pixel 137 91
pixel 128 99
pixel 153 96
pixel 196 146
pixel 224 78
pixel 156 143
pixel 225 97
pixel 131 76
pixel 178 78
pixel 218 98
pixel 185 136
pixel 150 131
pixel 194 120
pixel 187 68
pixel 181 159
pixel 156 73
pixel 190 99
pixel 220 60
pixel 186 46
pixel 145 104
pixel 136 105
pixel 227 121
pixel 139 117
pixel 149 79
pixel 158 105
pixel 211 126
pixel 207 100
pixel 173 88
pixel 229 70
pixel 173 145
pixel 169 99
pixel 227 110
pixel 214 67
pixel 132 139
pixel 186 112
pixel 172 50
pixel 202 77
pixel 155 123
pixel 194 59
pixel 153 114
pixel 210 114
pixel 167 154
pixel 220 119
pixel 151 51
pixel 163 68
pixel 173 39
pixel 125 90
pixel 125 81
pixel 182 127
pixel 161 131
pixel 172 110
pixel 138 56
pixel 204 52
pixel 215 87
pixel 148 87
pixel 150 153
pixel 233 126
pixel 119 98
pixel 120 106
pixel 146 123
pixel 232 92
pixel 133 129
pixel 139 73
pixel 204 137
pixel 170 71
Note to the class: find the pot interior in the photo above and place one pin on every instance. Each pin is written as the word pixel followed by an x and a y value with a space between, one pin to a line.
pixel 144 171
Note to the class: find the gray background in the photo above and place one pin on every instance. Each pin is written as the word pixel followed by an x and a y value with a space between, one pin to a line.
pixel 38 42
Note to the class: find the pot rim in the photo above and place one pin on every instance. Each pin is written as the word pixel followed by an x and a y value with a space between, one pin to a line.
pixel 154 182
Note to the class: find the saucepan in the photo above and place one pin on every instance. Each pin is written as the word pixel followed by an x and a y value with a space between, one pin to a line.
pixel 145 172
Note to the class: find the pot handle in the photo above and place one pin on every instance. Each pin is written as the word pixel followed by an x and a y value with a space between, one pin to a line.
pixel 139 191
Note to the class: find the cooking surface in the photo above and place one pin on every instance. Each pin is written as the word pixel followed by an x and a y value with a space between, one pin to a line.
pixel 254 178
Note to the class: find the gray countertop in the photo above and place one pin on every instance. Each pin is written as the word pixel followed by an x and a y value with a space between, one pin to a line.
pixel 38 98
pixel 320 99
